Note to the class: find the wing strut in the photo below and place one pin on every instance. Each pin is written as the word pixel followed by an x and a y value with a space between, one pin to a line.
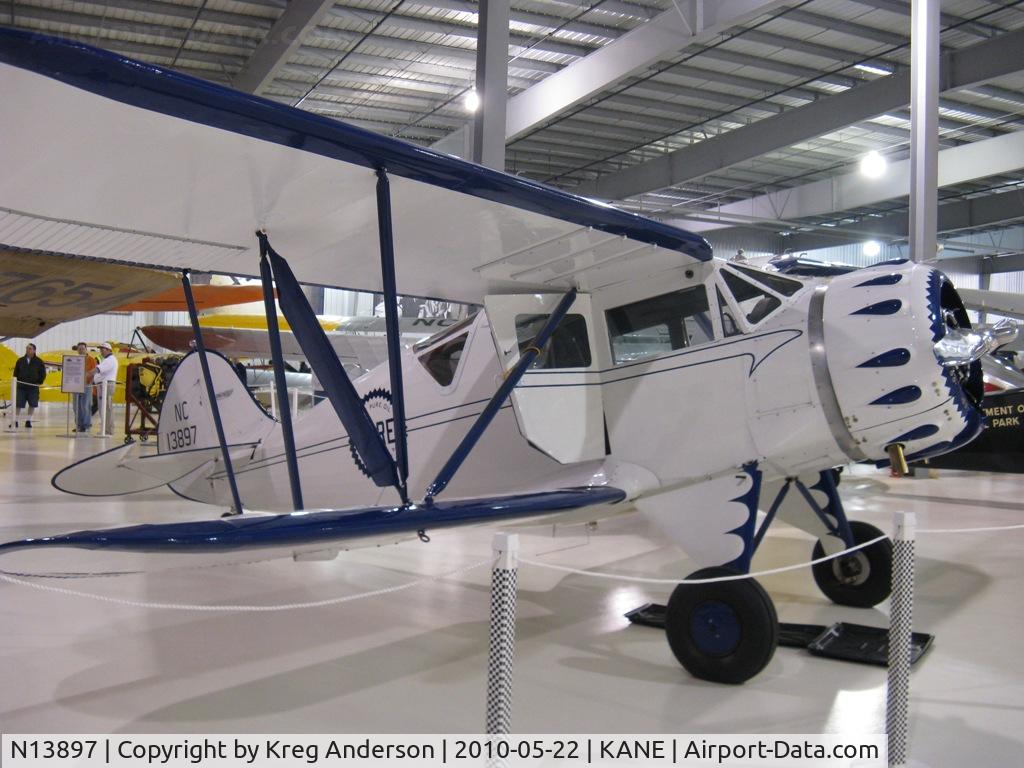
pixel 387 273
pixel 362 433
pixel 281 385
pixel 512 378
pixel 211 395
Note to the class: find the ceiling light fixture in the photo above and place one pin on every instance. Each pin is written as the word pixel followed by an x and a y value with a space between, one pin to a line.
pixel 873 165
pixel 872 69
pixel 472 101
pixel 872 248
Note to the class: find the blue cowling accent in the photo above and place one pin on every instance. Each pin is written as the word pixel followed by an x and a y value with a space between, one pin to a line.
pixel 936 321
pixel 970 412
pixel 171 93
pixel 899 396
pixel 890 279
pixel 887 307
pixel 363 434
pixel 747 530
pixel 918 433
pixel 300 528
pixel 890 359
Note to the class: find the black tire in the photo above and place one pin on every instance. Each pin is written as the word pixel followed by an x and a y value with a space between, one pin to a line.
pixel 862 579
pixel 725 632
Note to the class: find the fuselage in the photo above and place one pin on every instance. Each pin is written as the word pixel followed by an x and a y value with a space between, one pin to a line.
pixel 648 385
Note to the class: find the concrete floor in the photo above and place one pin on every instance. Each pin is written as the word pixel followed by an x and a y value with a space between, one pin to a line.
pixel 415 661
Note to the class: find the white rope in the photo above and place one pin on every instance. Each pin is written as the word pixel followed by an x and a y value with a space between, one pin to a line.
pixel 159 572
pixel 735 577
pixel 756 574
pixel 984 529
pixel 241 608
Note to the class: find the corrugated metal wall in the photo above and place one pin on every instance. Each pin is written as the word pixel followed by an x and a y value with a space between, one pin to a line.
pixel 1009 282
pixel 347 303
pixel 754 244
pixel 853 253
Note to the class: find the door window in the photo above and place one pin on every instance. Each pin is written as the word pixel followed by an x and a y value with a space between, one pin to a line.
pixel 659 324
pixel 568 347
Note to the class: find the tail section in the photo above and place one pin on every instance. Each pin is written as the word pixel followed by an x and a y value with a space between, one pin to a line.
pixel 186 419
pixel 189 453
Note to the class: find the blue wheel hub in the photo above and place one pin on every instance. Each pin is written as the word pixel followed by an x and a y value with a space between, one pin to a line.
pixel 715 628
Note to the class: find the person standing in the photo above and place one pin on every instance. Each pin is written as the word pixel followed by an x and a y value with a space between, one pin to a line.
pixel 30 373
pixel 106 372
pixel 83 400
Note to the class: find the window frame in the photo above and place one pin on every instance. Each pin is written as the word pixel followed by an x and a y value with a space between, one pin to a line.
pixel 737 312
pixel 443 339
pixel 521 345
pixel 715 330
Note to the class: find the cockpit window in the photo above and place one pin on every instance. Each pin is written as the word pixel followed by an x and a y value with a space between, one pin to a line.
pixel 568 347
pixel 754 302
pixel 659 324
pixel 779 284
pixel 443 360
pixel 451 330
pixel 729 327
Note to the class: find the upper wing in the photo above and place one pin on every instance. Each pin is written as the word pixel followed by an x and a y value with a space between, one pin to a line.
pixel 331 526
pixel 39 291
pixel 154 167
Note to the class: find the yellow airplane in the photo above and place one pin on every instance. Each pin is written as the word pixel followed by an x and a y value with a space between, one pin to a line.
pixel 54 358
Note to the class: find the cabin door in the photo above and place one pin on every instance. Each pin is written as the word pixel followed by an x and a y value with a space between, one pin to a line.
pixel 558 402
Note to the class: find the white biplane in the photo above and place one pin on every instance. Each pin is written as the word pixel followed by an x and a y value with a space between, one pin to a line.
pixel 614 363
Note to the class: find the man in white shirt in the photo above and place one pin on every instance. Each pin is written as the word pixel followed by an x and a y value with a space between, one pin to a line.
pixel 106 371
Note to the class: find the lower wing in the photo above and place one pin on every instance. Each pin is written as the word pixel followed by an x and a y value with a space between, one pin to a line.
pixel 252 531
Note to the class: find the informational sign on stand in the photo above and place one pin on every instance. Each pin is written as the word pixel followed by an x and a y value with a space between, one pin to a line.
pixel 72 379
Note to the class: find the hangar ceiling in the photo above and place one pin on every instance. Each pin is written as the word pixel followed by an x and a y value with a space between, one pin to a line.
pixel 746 114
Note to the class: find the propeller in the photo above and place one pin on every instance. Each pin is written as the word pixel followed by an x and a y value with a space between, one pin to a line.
pixel 963 346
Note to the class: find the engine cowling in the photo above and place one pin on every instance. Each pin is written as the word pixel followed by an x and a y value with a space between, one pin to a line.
pixel 880 326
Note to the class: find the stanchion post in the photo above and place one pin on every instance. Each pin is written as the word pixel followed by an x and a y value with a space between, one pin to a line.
pixel 901 612
pixel 502 633
pixel 14 402
pixel 104 393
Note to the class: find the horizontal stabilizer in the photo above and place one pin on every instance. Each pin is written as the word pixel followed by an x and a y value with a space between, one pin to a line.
pixel 301 528
pixel 125 469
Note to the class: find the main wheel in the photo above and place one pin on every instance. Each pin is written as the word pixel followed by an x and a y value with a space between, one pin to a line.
pixel 725 631
pixel 861 579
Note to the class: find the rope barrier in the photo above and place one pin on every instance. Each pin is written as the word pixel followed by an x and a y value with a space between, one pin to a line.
pixel 240 608
pixel 736 577
pixel 757 574
pixel 983 529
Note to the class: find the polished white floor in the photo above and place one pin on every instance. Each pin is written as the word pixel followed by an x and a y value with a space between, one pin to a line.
pixel 415 661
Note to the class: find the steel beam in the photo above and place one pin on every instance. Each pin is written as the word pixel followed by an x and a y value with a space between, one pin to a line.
pixel 691 22
pixel 984 61
pixel 491 84
pixel 924 128
pixel 999 209
pixel 289 31
pixel 957 165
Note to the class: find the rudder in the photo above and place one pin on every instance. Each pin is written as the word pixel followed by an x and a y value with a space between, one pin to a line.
pixel 186 419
